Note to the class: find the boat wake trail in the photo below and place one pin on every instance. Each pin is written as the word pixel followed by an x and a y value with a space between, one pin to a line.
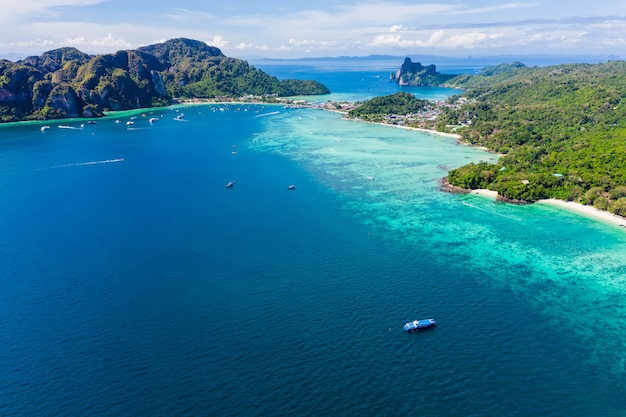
pixel 106 161
pixel 77 164
pixel 266 114
pixel 369 177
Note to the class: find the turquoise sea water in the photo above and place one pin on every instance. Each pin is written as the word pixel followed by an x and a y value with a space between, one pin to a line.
pixel 133 282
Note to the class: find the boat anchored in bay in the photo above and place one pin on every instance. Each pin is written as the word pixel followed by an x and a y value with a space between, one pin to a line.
pixel 415 325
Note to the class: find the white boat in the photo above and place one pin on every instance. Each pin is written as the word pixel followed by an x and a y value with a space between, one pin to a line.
pixel 44 128
pixel 416 325
pixel 291 187
pixel 153 119
pixel 130 123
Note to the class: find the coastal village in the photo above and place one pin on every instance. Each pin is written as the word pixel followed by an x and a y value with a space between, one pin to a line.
pixel 423 119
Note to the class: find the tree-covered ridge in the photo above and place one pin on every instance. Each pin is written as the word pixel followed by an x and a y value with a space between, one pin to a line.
pixel 395 104
pixel 68 83
pixel 562 130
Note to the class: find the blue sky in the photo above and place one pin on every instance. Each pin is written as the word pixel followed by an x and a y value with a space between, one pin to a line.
pixel 296 29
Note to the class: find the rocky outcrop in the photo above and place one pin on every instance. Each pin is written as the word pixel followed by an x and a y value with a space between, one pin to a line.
pixel 63 102
pixel 415 74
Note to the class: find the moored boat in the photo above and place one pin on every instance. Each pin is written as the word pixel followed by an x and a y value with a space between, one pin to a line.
pixel 419 324
pixel 230 184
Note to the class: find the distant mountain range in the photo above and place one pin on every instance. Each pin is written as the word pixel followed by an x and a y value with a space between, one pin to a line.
pixel 66 83
pixel 484 61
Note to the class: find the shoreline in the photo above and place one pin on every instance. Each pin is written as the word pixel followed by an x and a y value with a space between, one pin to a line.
pixel 418 129
pixel 586 211
pixel 431 132
pixel 582 210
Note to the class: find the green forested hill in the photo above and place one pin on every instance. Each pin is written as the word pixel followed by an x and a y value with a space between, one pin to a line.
pixel 562 130
pixel 378 107
pixel 68 83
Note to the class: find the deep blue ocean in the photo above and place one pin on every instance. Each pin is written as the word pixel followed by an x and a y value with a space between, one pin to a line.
pixel 134 283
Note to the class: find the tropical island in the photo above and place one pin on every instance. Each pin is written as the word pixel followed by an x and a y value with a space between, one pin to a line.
pixel 561 131
pixel 415 74
pixel 67 83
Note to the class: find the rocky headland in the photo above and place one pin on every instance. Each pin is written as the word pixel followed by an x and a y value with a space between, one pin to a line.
pixel 416 74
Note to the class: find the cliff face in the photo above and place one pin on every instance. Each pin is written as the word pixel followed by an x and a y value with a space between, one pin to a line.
pixel 16 88
pixel 68 83
pixel 415 74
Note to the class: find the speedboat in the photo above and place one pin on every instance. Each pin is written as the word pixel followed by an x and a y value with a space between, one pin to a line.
pixel 44 128
pixel 291 187
pixel 230 184
pixel 419 324
pixel 153 119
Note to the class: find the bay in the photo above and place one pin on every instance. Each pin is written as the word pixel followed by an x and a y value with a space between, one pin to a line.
pixel 133 282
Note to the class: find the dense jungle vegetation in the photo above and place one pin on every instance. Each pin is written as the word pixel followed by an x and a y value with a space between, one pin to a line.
pixel 561 130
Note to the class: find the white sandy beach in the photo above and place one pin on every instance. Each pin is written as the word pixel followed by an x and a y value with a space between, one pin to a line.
pixel 486 193
pixel 582 210
pixel 427 131
pixel 587 211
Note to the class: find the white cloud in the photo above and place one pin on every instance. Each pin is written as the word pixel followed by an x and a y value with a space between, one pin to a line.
pixel 37 43
pixel 439 39
pixel 344 27
pixel 491 9
pixel 308 45
pixel 218 41
pixel 249 46
pixel 109 41
pixel 469 40
pixel 184 15
pixel 20 9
